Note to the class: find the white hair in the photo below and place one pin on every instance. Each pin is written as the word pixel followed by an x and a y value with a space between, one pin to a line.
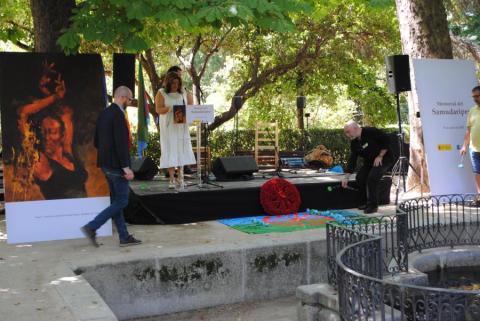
pixel 352 124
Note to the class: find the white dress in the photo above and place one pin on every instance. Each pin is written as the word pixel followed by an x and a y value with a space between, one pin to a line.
pixel 175 144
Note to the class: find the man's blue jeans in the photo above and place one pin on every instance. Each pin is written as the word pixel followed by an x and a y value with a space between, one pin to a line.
pixel 118 201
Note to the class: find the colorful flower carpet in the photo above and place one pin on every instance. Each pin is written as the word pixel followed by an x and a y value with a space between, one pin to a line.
pixel 311 219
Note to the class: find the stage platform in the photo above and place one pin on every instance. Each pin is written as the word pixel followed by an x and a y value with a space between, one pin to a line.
pixel 151 202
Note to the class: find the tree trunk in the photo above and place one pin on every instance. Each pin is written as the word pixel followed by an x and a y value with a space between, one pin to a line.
pixel 300 115
pixel 424 33
pixel 196 88
pixel 309 51
pixel 50 17
pixel 197 72
pixel 300 109
pixel 148 65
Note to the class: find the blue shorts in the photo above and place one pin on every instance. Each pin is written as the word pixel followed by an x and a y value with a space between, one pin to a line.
pixel 475 158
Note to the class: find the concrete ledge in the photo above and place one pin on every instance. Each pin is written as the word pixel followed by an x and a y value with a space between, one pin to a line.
pixel 318 302
pixel 81 299
pixel 319 294
pixel 328 315
pixel 307 312
pixel 429 260
pixel 413 277
pixel 161 285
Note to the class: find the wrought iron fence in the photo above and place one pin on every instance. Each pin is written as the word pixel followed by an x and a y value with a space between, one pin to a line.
pixel 364 296
pixel 362 252
pixel 442 221
pixel 361 291
pixel 339 237
pixel 391 230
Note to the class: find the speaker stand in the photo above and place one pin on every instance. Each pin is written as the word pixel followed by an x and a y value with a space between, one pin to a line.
pixel 402 162
pixel 199 157
pixel 205 181
pixel 235 136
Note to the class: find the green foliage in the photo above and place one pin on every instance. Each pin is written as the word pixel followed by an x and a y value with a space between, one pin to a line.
pixel 136 25
pixel 353 35
pixel 382 3
pixel 352 41
pixel 222 142
pixel 269 106
pixel 153 148
pixel 464 19
pixel 216 63
pixel 16 23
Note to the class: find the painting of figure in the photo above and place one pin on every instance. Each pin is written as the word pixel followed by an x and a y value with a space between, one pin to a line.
pixel 49 105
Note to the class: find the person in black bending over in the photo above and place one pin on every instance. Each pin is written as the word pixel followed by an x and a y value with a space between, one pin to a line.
pixel 372 145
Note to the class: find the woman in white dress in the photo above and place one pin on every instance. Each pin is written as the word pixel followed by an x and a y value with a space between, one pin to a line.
pixel 175 144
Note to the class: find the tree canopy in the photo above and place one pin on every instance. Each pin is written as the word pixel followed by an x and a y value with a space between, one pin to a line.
pixel 137 25
pixel 268 52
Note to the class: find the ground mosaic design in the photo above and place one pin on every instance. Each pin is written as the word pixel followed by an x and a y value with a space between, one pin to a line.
pixel 310 219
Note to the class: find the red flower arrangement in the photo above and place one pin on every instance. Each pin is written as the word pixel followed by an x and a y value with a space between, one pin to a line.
pixel 278 196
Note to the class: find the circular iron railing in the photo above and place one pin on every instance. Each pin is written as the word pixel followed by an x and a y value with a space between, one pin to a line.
pixel 366 257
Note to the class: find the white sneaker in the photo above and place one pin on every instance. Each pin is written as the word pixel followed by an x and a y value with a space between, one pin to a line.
pixel 171 185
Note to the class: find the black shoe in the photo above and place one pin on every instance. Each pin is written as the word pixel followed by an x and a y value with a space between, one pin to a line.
pixel 130 241
pixel 370 209
pixel 362 207
pixel 90 234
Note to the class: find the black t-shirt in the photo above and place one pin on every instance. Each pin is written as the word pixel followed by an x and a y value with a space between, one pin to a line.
pixel 368 146
pixel 64 183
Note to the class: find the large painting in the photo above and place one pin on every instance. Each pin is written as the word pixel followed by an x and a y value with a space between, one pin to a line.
pixel 49 106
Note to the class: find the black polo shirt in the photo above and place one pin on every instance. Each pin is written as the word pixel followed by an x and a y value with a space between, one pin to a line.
pixel 368 146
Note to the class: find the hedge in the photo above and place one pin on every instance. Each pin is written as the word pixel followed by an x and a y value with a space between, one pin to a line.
pixel 222 142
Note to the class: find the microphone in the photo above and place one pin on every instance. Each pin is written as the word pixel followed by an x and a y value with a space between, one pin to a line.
pixel 460 165
pixel 332 188
pixel 335 187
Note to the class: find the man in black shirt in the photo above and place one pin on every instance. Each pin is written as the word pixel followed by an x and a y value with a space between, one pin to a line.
pixel 372 145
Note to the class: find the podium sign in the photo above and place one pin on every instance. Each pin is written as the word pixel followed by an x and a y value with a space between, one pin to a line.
pixel 200 114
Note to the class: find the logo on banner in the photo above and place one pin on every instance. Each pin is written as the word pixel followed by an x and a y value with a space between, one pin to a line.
pixel 444 147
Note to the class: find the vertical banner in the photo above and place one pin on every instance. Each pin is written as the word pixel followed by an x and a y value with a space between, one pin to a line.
pixel 443 88
pixel 49 105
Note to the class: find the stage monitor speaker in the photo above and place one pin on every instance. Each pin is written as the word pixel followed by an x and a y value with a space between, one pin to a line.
pixel 301 102
pixel 234 168
pixel 124 71
pixel 398 73
pixel 144 168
